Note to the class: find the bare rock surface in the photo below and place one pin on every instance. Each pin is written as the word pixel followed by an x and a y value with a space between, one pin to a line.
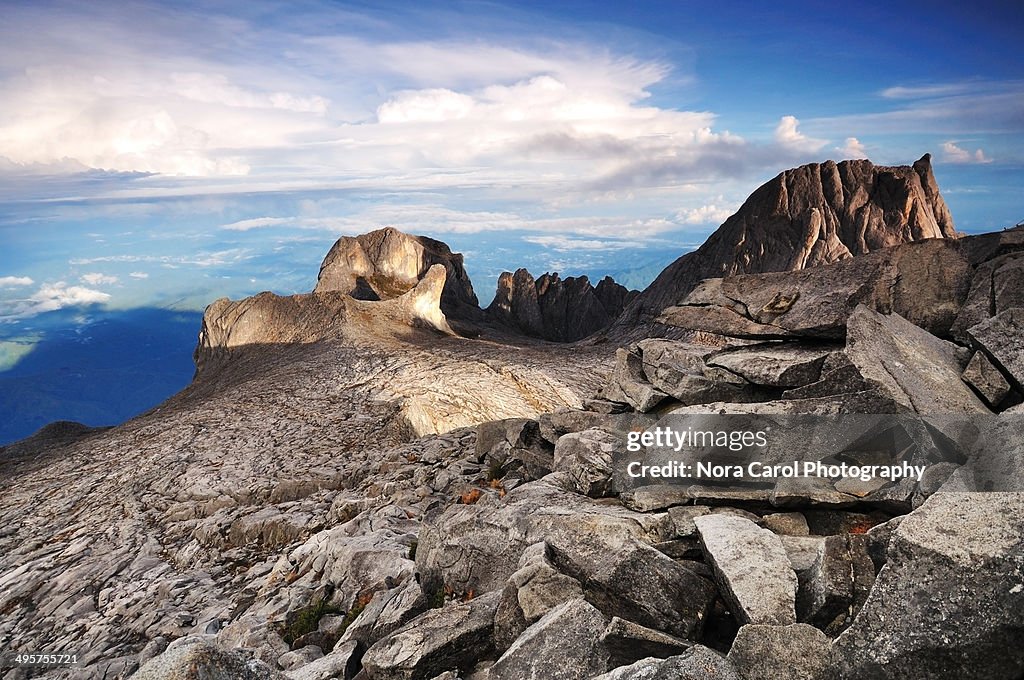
pixel 198 658
pixel 805 217
pixel 351 489
pixel 911 366
pixel 751 567
pixel 562 310
pixel 563 645
pixel 924 282
pixel 388 263
pixel 987 380
pixel 959 557
pixel 697 663
pixel 453 637
pixel 1000 339
pixel 793 652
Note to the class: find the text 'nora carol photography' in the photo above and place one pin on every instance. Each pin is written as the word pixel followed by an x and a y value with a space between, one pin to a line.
pixel 758 449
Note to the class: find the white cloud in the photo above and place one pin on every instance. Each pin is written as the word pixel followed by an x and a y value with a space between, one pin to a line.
pixel 705 214
pixel 15 281
pixel 565 244
pixel 51 297
pixel 955 154
pixel 139 275
pixel 947 109
pixel 491 110
pixel 788 135
pixel 924 91
pixel 201 259
pixel 852 148
pixel 257 223
pixel 98 279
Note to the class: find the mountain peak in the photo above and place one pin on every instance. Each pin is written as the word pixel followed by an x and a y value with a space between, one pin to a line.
pixel 804 217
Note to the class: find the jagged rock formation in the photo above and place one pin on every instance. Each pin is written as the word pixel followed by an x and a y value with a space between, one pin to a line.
pixel 563 310
pixel 282 518
pixel 804 217
pixel 387 263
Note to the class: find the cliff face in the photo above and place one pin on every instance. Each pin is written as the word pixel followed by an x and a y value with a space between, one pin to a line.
pixel 805 217
pixel 387 263
pixel 563 310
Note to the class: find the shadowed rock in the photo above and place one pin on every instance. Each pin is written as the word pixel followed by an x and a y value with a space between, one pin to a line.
pixel 925 283
pixel 557 309
pixel 958 558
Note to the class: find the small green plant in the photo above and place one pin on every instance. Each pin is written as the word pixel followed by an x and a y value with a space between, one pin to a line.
pixel 495 469
pixel 436 599
pixel 305 620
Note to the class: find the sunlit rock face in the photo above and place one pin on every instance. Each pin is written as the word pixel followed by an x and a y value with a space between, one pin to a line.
pixel 386 263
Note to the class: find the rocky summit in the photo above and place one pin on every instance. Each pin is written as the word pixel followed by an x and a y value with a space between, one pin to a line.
pixel 379 480
pixel 808 216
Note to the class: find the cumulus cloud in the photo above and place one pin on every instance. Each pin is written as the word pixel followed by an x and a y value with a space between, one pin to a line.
pixel 788 135
pixel 487 111
pixel 15 281
pixel 852 148
pixel 139 275
pixel 98 279
pixel 705 214
pixel 956 154
pixel 51 297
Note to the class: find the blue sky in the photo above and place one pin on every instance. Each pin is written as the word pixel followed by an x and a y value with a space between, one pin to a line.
pixel 166 154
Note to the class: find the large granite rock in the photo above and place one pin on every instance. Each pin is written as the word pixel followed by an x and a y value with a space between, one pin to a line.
pixel 997 285
pixel 679 369
pixel 532 591
pixel 947 602
pixel 514 445
pixel 628 642
pixel 557 309
pixel 696 663
pixel 924 282
pixel 909 365
pixel 452 637
pixel 808 216
pixel 268 319
pixel 836 585
pixel 751 567
pixel 629 385
pixel 587 458
pixel 199 658
pixel 605 547
pixel 563 645
pixel 387 263
pixel 774 364
pixel 987 380
pixel 1000 337
pixel 793 652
